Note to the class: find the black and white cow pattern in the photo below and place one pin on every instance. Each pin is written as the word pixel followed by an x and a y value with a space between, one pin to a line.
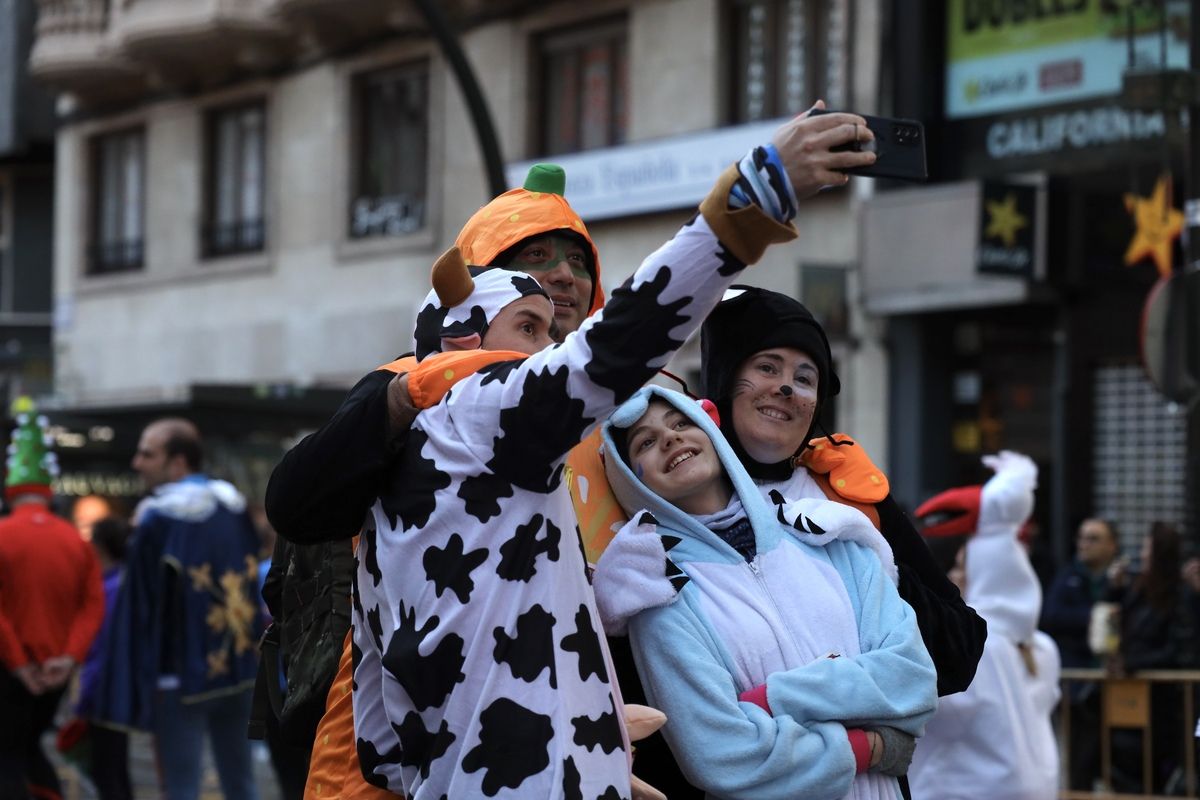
pixel 475 620
pixel 493 289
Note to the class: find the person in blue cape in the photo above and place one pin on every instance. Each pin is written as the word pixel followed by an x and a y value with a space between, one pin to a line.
pixel 182 648
pixel 772 636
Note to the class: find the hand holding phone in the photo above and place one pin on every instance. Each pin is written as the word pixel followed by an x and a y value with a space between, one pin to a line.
pixel 809 145
pixel 898 144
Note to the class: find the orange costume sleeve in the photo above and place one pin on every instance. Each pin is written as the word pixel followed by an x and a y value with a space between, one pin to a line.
pixel 333 771
pixel 431 379
pixel 846 474
pixel 597 511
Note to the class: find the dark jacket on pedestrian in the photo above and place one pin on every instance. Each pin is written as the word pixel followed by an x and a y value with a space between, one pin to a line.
pixel 1067 612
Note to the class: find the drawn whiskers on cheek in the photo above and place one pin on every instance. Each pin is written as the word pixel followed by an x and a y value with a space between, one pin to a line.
pixel 742 386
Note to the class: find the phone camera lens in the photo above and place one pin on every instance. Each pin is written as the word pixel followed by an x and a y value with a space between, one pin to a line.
pixel 906 134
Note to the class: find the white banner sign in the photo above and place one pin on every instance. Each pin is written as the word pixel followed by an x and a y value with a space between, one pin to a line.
pixel 659 175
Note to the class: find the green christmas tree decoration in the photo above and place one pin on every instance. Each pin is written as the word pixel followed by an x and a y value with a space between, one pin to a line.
pixel 32 466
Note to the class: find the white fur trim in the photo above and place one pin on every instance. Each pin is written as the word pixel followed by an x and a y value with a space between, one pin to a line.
pixel 837 521
pixel 631 575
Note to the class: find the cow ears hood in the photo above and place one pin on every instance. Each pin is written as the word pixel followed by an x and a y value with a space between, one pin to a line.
pixel 535 209
pixel 465 301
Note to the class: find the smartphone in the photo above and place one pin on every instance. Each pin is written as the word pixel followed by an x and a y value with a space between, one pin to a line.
pixel 899 148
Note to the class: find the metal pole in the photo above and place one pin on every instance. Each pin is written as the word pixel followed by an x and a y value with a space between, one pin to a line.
pixel 481 116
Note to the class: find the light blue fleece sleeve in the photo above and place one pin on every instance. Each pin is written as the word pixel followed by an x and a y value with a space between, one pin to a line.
pixel 892 681
pixel 726 747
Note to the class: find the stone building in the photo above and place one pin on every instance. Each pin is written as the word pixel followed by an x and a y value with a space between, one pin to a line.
pixel 249 193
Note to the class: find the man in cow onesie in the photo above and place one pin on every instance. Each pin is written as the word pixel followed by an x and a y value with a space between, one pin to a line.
pixel 995 738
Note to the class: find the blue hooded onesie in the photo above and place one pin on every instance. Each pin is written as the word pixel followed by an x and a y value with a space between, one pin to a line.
pixel 814 615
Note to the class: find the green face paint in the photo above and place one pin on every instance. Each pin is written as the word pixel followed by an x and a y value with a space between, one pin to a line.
pixel 547 252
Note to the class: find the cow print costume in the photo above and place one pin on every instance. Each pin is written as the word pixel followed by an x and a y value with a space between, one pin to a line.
pixel 479 657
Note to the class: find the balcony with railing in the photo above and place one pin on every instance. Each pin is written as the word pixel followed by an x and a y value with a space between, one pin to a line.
pixel 336 24
pixel 199 42
pixel 74 53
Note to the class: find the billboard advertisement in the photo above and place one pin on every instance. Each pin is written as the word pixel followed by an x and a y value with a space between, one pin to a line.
pixel 1007 55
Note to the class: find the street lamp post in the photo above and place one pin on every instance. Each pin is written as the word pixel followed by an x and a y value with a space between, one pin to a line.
pixel 477 105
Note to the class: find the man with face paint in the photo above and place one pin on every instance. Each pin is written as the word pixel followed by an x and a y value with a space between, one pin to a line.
pixel 559 263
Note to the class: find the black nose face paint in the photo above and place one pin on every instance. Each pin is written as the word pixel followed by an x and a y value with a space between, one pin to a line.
pixel 785 390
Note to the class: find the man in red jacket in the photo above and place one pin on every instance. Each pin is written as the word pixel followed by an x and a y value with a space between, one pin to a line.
pixel 51 607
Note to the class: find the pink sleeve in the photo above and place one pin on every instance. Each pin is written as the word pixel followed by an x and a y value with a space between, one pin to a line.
pixel 861 748
pixel 758 696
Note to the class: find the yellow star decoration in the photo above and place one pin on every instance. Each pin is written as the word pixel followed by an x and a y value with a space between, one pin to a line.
pixel 231 616
pixel 1158 226
pixel 201 577
pixel 218 663
pixel 1004 220
pixel 240 611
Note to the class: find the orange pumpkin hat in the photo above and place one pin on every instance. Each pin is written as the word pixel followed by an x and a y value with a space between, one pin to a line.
pixel 535 209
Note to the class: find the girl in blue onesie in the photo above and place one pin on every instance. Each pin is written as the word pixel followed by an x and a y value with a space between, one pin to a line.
pixel 771 636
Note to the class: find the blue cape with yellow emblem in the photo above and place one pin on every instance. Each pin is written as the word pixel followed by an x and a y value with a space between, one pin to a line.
pixel 187 614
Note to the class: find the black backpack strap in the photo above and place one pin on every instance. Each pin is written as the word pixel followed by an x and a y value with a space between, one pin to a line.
pixel 268 699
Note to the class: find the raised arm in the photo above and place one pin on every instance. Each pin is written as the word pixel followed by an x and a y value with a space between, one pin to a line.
pixel 1001 583
pixel 548 401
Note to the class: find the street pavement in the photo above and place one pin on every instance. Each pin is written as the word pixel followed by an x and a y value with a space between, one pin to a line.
pixel 145 782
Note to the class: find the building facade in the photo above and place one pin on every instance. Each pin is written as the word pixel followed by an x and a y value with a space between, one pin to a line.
pixel 1014 289
pixel 249 195
pixel 26 211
